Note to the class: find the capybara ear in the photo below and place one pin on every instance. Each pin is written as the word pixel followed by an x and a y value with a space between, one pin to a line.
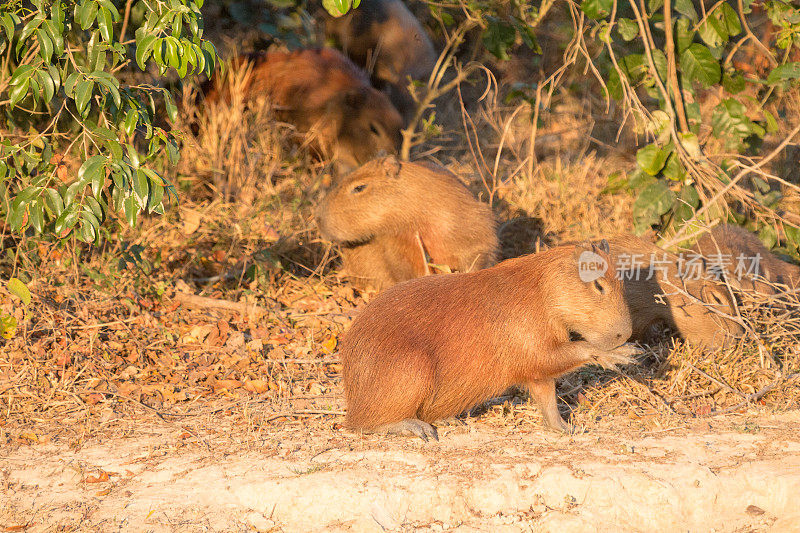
pixel 391 166
pixel 603 245
pixel 353 99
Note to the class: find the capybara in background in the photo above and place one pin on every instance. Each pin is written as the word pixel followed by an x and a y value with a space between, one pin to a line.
pixel 327 98
pixel 435 346
pixel 692 317
pixel 747 262
pixel 388 215
pixel 385 35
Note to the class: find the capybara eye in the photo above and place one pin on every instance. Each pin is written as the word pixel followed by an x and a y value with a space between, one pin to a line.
pixel 599 286
pixel 374 129
pixel 358 188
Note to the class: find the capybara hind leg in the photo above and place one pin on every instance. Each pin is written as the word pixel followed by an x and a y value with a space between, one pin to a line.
pixel 543 391
pixel 413 426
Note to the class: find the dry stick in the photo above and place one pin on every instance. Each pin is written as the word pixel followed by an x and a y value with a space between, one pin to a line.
pixel 125 20
pixel 204 302
pixel 672 69
pixel 303 412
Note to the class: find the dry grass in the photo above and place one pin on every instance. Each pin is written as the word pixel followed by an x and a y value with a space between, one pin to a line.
pixel 100 339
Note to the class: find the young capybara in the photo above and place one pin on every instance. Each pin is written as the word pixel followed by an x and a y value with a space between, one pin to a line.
pixel 433 347
pixel 327 98
pixel 389 215
pixel 648 271
pixel 747 263
pixel 385 35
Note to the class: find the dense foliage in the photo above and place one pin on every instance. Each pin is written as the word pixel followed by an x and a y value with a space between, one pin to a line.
pixel 69 91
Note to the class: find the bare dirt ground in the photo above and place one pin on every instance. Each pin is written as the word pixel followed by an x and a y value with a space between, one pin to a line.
pixel 737 473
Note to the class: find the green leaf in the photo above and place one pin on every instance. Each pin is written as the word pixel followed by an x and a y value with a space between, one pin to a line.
pixel 729 20
pixel 106 23
pixel 673 170
pixel 651 159
pixel 87 14
pixel 691 144
pixel 8 326
pixel 21 75
pixel 53 202
pixel 66 221
pixel 713 31
pixel 788 71
pixel 685 7
pixel 47 85
pixel 699 65
pixel 172 109
pixel 20 290
pixel 83 92
pixel 733 82
pixel 131 208
pixel 36 214
pixel 684 34
pixel 90 168
pixel 336 8
pixel 498 37
pixel 652 202
pixel 730 123
pixel 18 92
pixel 627 28
pixel 143 48
pixel 45 45
pixel 596 9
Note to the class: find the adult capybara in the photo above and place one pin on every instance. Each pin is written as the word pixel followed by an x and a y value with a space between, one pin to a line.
pixel 648 271
pixel 747 264
pixel 389 215
pixel 327 98
pixel 432 347
pixel 385 37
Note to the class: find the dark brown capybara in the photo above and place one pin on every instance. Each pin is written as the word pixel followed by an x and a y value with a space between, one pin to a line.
pixel 386 36
pixel 389 217
pixel 432 347
pixel 327 98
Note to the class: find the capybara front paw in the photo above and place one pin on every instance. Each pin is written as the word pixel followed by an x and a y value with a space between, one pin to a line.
pixel 623 355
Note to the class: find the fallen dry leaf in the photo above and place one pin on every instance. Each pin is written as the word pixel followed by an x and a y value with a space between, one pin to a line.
pixel 221 384
pixel 100 478
pixel 258 386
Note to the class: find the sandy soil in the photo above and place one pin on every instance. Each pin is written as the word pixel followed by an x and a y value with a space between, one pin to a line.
pixel 741 473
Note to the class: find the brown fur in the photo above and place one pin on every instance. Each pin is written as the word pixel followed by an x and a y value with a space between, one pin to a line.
pixel 734 242
pixel 387 33
pixel 405 211
pixel 692 320
pixel 432 347
pixel 327 98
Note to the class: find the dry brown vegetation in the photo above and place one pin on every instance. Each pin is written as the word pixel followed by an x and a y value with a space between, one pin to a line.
pixel 102 340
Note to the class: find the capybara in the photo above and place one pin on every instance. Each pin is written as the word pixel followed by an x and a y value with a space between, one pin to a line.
pixel 385 35
pixel 388 215
pixel 648 271
pixel 435 346
pixel 747 264
pixel 327 98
